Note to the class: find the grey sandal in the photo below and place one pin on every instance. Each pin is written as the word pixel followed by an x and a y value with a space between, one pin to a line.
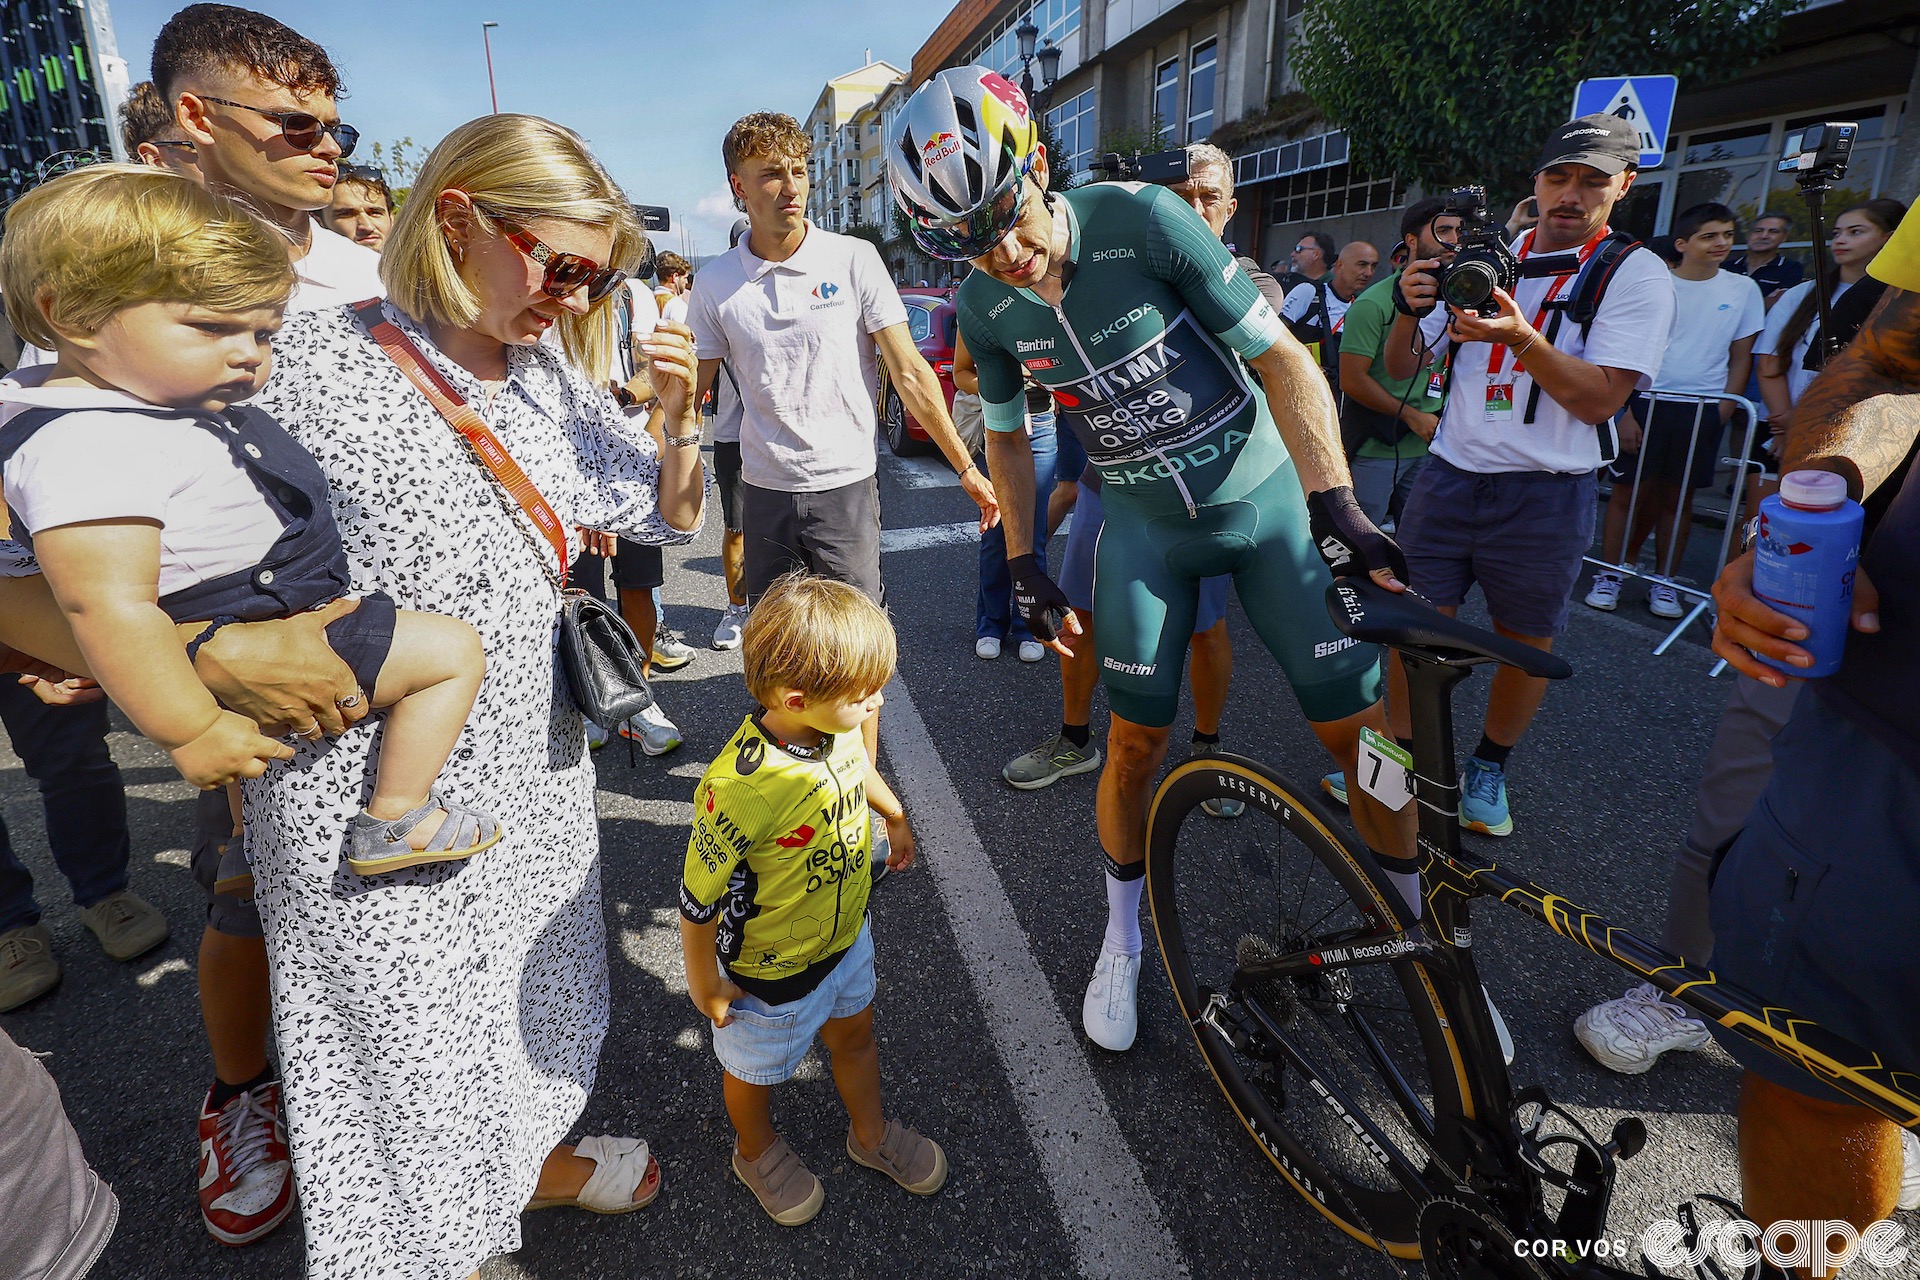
pixel 374 846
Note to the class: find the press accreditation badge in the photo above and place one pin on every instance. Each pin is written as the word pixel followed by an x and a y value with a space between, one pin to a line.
pixel 1499 400
pixel 1386 770
pixel 1437 384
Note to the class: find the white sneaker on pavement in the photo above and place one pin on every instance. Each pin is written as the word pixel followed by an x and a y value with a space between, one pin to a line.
pixel 987 647
pixel 656 734
pixel 1664 602
pixel 596 736
pixel 1032 651
pixel 1628 1035
pixel 726 635
pixel 1605 593
pixel 1109 1012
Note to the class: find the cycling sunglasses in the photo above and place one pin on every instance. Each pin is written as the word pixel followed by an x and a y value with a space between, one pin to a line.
pixel 566 273
pixel 976 234
pixel 302 129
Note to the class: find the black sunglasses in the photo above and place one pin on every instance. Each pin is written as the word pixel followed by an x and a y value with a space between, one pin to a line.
pixel 302 129
pixel 372 171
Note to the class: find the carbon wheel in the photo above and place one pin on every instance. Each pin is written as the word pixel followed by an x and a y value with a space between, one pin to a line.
pixel 1281 880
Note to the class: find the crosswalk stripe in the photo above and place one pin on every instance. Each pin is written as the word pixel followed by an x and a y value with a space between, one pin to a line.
pixel 1111 1217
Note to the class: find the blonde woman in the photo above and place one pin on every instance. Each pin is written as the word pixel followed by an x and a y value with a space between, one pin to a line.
pixel 439 1028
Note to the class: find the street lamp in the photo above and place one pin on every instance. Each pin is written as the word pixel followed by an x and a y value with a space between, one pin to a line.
pixel 1048 57
pixel 491 93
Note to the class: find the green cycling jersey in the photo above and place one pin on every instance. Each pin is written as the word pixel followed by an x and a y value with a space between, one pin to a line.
pixel 1143 353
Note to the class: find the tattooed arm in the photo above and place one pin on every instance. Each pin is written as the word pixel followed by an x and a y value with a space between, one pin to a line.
pixel 1861 415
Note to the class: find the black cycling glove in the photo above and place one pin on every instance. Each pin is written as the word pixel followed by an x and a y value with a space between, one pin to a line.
pixel 1042 604
pixel 1349 542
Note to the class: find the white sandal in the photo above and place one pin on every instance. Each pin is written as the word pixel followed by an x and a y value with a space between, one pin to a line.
pixel 621 1166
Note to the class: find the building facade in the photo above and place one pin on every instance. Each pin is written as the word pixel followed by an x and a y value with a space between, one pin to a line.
pixel 847 136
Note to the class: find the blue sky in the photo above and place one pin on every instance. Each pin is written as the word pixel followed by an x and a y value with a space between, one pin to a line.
pixel 653 86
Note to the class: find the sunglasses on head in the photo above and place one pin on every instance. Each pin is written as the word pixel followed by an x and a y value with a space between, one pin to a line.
pixel 976 234
pixel 566 273
pixel 302 129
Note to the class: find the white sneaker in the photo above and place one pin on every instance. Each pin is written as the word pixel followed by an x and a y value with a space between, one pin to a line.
pixel 1605 593
pixel 1909 1171
pixel 1628 1035
pixel 1664 602
pixel 987 647
pixel 727 634
pixel 596 736
pixel 656 734
pixel 1499 1027
pixel 1032 651
pixel 1108 1012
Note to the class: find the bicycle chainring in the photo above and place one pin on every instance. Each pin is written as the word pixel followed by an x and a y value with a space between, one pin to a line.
pixel 1466 1242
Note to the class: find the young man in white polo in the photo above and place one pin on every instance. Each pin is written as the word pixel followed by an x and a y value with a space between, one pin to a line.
pixel 797 312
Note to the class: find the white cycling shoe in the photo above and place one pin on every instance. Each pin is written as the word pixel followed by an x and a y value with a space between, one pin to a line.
pixel 1109 1011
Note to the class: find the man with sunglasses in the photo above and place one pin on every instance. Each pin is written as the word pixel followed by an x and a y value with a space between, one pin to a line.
pixel 1125 305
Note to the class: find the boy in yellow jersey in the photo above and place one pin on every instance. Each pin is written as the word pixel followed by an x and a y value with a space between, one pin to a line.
pixel 776 883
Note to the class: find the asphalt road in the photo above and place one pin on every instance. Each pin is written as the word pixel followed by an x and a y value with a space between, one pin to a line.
pixel 1066 1159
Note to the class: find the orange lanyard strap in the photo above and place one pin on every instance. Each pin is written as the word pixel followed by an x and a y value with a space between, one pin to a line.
pixel 460 415
pixel 1498 360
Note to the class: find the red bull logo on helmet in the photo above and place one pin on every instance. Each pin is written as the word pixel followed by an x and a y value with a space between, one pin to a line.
pixel 938 148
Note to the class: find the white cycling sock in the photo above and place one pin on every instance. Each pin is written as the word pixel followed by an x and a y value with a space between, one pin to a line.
pixel 1123 915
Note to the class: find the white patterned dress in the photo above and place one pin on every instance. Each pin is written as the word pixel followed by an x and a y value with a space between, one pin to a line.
pixel 439 1027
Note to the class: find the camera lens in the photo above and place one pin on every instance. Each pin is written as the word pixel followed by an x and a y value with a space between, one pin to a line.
pixel 1469 283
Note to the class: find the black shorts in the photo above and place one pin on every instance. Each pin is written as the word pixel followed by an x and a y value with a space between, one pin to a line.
pixel 639 566
pixel 834 533
pixel 726 475
pixel 364 638
pixel 1667 427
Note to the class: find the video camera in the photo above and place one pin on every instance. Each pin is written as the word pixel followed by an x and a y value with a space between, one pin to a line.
pixel 1163 168
pixel 1483 262
pixel 1820 152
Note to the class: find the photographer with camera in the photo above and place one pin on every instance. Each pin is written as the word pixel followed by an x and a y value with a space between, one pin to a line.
pixel 1548 340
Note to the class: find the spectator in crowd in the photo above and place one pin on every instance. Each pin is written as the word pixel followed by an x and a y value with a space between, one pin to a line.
pixel 151 133
pixel 1717 314
pixel 773 901
pixel 1386 422
pixel 362 208
pixel 1762 262
pixel 1317 310
pixel 1311 258
pixel 675 274
pixel 796 313
pixel 1821 887
pixel 728 411
pixel 1508 494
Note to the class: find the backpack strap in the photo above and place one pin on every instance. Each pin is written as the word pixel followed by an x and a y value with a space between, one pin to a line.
pixel 1581 307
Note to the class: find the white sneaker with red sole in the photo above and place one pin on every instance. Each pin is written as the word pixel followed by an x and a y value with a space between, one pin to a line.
pixel 246 1171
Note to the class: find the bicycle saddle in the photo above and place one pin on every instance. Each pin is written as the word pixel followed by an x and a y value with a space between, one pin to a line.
pixel 1369 612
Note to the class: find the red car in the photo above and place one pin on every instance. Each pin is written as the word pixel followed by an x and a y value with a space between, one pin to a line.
pixel 932 321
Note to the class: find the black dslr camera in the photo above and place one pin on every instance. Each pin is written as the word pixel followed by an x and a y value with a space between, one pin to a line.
pixel 1163 168
pixel 1483 262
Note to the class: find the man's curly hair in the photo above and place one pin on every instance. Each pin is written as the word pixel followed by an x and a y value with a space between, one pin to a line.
pixel 205 39
pixel 764 133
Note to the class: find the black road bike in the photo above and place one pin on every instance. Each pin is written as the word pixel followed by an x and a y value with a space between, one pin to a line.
pixel 1357 1047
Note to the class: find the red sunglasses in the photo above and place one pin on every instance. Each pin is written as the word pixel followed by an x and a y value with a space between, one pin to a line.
pixel 566 273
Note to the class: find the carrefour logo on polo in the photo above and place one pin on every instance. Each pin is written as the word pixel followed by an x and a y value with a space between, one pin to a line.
pixel 825 292
pixel 939 147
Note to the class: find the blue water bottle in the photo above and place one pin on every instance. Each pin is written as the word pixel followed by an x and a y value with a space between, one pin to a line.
pixel 1804 560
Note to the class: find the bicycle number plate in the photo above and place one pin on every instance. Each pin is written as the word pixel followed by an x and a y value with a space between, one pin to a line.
pixel 1386 770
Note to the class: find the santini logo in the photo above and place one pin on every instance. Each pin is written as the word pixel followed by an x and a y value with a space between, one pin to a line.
pixel 1023 345
pixel 1128 668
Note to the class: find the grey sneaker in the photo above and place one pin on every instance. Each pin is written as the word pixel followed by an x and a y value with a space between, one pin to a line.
pixel 656 734
pixel 27 967
pixel 1052 760
pixel 127 926
pixel 670 652
pixel 1219 806
pixel 727 634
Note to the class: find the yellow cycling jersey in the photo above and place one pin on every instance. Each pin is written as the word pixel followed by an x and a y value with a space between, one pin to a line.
pixel 780 853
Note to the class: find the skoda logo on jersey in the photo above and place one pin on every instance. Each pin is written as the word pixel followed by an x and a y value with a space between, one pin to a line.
pixel 938 148
pixel 825 292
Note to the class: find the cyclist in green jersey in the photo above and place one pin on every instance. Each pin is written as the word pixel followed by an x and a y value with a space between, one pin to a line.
pixel 1121 302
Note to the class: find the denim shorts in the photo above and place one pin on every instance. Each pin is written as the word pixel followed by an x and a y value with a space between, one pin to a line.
pixel 765 1042
pixel 1076 568
pixel 1519 534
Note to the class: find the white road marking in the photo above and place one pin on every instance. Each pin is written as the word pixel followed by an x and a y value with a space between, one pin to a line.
pixel 161 970
pixel 931 535
pixel 1110 1216
pixel 921 473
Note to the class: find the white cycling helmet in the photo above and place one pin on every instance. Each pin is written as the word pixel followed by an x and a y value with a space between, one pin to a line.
pixel 959 159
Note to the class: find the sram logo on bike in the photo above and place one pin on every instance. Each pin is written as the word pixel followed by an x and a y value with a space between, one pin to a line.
pixel 1166 393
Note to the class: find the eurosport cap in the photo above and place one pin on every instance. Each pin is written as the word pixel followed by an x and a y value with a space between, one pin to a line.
pixel 1607 143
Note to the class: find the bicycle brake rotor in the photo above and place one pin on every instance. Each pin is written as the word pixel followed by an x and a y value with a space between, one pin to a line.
pixel 1461 1242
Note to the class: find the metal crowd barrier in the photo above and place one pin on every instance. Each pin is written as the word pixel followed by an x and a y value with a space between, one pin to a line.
pixel 1706 417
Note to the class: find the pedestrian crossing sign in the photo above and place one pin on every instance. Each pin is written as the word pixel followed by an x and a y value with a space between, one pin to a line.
pixel 1645 102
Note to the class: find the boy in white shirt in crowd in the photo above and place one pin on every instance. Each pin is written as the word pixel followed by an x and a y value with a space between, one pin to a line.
pixel 1717 315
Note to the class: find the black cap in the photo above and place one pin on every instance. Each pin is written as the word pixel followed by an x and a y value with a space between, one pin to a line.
pixel 1604 142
